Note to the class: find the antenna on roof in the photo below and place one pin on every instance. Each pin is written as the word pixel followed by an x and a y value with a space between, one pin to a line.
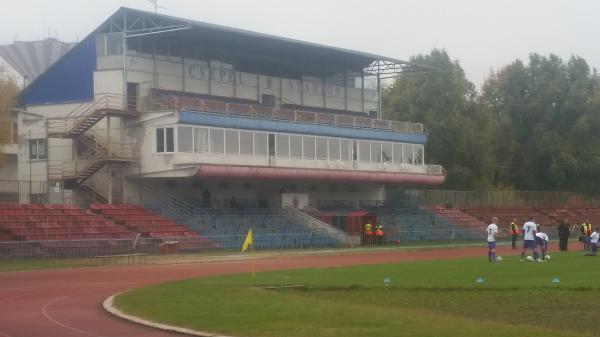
pixel 156 6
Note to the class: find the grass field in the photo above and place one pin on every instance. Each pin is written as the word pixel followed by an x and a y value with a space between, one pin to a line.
pixel 425 298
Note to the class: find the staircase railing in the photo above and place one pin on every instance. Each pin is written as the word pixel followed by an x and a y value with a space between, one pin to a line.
pixel 83 111
pixel 318 225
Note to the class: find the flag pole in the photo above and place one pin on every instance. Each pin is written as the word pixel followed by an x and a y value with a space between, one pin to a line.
pixel 253 262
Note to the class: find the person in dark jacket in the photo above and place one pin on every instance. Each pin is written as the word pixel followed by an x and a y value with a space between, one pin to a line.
pixel 563 234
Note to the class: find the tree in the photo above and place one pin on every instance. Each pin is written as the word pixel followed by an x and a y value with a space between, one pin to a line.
pixel 445 101
pixel 8 96
pixel 546 114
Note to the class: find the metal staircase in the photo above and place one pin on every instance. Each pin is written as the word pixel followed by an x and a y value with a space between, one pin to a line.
pixel 97 148
pixel 87 115
pixel 92 195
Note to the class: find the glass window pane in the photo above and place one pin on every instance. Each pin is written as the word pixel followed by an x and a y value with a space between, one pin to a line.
pixel 185 139
pixel 296 146
pixel 170 140
pixel 246 143
pixel 309 147
pixel 334 149
pixel 364 151
pixel 375 152
pixel 114 43
pixel 100 45
pixel 345 149
pixel 282 145
pixel 232 142
pixel 419 154
pixel 41 149
pixel 321 148
pixel 407 153
pixel 160 140
pixel 260 144
pixel 386 149
pixel 201 140
pixel 397 153
pixel 216 141
pixel 32 149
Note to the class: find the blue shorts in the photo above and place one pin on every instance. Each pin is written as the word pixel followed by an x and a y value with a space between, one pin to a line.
pixel 528 244
pixel 492 245
pixel 539 241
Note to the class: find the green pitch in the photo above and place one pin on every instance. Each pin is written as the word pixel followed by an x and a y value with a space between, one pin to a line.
pixel 425 298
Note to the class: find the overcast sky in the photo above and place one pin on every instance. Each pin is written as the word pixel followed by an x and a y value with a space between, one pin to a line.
pixel 481 34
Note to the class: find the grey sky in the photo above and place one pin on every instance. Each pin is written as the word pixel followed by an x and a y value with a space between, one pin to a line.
pixel 480 34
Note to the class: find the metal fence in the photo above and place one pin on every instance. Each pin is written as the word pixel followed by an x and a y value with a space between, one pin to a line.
pixel 500 198
pixel 60 249
pixel 15 191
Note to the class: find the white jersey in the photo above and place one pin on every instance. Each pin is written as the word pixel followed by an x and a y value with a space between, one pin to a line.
pixel 594 237
pixel 529 230
pixel 491 231
pixel 542 236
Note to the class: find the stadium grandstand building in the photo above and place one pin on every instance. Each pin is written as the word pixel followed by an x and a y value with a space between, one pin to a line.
pixel 150 108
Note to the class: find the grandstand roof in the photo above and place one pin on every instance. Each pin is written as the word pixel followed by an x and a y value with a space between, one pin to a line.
pixel 250 43
pixel 31 58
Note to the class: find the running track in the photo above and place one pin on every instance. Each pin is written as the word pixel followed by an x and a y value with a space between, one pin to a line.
pixel 66 303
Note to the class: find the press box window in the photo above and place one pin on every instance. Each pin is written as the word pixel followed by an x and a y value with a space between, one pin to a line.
pixel 165 140
pixel 37 149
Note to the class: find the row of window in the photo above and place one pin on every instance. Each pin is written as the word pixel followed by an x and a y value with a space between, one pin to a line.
pixel 261 144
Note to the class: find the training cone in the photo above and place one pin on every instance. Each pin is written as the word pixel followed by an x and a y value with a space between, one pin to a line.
pixel 479 280
pixel 555 280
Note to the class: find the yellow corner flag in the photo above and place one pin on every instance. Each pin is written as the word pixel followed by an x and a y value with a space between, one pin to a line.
pixel 248 241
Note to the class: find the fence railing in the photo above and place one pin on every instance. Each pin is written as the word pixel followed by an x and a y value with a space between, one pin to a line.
pixel 501 198
pixel 160 101
pixel 83 111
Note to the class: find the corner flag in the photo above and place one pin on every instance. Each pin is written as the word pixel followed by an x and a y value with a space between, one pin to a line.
pixel 248 241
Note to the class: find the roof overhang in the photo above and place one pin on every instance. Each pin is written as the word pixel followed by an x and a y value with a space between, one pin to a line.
pixel 137 23
pixel 333 175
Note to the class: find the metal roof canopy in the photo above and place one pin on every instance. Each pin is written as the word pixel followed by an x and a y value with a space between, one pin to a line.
pixel 319 59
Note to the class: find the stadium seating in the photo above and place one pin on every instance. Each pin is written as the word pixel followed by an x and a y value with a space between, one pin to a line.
pixel 506 214
pixel 142 220
pixel 457 217
pixel 419 224
pixel 575 215
pixel 34 222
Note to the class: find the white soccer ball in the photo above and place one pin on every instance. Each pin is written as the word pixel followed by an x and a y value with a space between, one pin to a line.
pixel 530 258
pixel 547 257
pixel 498 258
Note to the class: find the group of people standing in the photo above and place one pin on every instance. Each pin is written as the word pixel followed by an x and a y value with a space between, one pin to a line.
pixel 533 237
pixel 373 235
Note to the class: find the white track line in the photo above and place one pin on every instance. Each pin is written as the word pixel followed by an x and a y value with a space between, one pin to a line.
pixel 62 325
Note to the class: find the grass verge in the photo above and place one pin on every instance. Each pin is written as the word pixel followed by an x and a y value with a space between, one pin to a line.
pixel 425 298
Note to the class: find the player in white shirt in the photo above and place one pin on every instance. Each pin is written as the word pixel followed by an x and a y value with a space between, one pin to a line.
pixel 541 239
pixel 529 229
pixel 491 231
pixel 594 241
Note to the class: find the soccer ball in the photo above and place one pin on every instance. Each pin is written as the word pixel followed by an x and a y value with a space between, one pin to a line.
pixel 530 258
pixel 498 258
pixel 547 257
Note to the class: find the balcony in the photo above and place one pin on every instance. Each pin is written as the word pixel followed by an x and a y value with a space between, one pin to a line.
pixel 161 100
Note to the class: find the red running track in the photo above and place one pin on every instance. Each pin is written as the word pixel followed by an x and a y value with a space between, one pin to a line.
pixel 66 303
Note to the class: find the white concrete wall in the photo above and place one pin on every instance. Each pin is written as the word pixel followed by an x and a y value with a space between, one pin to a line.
pixel 196 76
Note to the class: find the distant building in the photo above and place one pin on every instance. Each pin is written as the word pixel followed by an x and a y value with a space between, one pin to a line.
pixel 26 60
pixel 151 108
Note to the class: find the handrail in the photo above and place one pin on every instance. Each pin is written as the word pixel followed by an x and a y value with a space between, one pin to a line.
pixel 304 116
